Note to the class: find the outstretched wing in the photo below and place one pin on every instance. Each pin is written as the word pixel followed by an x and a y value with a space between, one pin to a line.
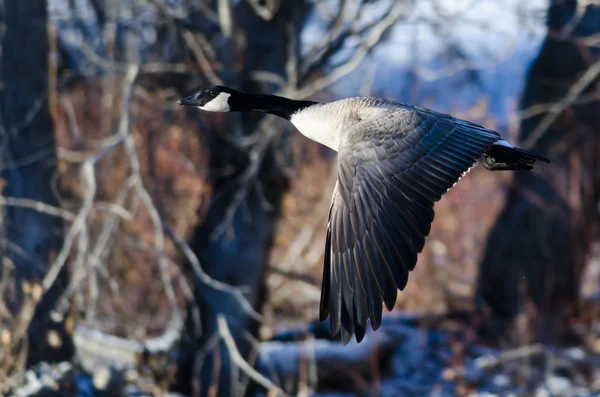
pixel 392 168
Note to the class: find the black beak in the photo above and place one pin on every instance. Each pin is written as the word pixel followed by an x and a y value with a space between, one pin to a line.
pixel 192 100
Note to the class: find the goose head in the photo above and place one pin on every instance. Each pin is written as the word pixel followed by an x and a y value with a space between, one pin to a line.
pixel 218 98
pixel 215 98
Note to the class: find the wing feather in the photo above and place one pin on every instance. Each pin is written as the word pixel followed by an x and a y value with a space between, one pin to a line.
pixel 391 171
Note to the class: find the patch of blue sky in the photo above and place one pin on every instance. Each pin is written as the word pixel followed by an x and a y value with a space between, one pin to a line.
pixel 447 54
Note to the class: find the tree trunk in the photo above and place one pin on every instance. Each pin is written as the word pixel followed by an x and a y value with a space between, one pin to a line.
pixel 544 233
pixel 28 161
pixel 238 256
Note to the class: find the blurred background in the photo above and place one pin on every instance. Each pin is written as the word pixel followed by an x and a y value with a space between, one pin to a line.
pixel 150 249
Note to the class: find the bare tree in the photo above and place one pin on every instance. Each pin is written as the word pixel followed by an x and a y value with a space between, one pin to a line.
pixel 234 241
pixel 111 78
pixel 31 230
pixel 554 208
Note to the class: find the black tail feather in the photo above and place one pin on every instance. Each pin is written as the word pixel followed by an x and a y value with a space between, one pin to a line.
pixel 503 158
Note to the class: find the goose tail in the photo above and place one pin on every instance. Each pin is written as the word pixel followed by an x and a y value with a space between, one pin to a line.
pixel 502 156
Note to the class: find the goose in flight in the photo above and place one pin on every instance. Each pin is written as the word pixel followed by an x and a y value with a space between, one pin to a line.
pixel 394 162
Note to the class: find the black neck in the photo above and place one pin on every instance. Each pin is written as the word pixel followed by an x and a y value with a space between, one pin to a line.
pixel 272 104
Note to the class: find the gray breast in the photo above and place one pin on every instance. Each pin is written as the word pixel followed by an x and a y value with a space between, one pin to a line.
pixel 330 122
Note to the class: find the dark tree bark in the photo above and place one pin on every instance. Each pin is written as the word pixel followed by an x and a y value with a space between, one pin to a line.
pixel 543 235
pixel 28 160
pixel 240 255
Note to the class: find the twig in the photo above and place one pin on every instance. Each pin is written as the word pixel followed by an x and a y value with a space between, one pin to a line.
pixel 236 292
pixel 574 92
pixel 115 209
pixel 487 362
pixel 34 109
pixel 247 178
pixel 44 153
pixel 268 77
pixel 115 66
pixel 142 192
pixel 89 180
pixel 396 12
pixel 203 61
pixel 542 108
pixel 224 12
pixel 239 361
pixel 61 212
pixel 17 250
pixel 97 251
pixel 291 65
pixel 96 346
pixel 336 35
pixel 293 275
pixel 37 206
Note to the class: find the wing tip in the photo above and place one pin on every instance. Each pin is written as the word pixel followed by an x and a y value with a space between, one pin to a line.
pixel 323 314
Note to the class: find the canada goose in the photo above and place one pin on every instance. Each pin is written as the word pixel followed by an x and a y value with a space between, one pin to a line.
pixel 394 162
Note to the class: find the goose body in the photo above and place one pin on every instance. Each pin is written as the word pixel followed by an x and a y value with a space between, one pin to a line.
pixel 394 162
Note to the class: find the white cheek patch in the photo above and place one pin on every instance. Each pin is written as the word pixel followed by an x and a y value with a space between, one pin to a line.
pixel 219 104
